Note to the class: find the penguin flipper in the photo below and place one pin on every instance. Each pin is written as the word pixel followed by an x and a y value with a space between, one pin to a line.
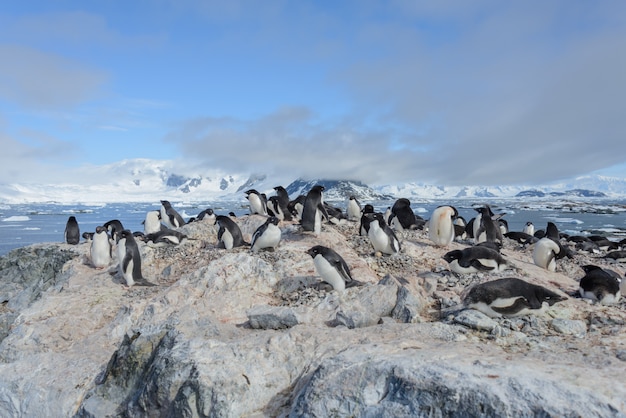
pixel 479 266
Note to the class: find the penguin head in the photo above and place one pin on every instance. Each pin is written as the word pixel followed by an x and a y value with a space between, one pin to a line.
pixel 452 255
pixel 315 251
pixel 273 220
pixel 368 209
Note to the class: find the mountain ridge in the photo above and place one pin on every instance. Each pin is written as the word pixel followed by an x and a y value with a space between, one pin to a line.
pixel 143 180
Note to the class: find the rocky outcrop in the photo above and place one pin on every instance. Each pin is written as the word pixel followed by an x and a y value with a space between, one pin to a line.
pixel 233 333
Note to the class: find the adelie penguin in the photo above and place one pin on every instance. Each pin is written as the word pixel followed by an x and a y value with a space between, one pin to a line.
pixel 152 222
pixel 332 268
pixel 130 260
pixel 364 226
pixel 169 216
pixel 402 216
pixel 509 297
pixel 475 259
pixel 115 228
pixel 72 232
pixel 229 235
pixel 600 285
pixel 266 236
pixel 314 210
pixel 381 236
pixel 258 202
pixel 441 225
pixel 100 250
pixel 353 210
pixel 283 201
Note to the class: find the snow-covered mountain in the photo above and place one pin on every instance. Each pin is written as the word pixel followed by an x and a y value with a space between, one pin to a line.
pixel 143 180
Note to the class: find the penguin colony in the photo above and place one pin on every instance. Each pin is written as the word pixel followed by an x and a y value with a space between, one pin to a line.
pixel 484 237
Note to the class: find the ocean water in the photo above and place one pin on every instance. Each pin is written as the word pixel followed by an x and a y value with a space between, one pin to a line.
pixel 26 224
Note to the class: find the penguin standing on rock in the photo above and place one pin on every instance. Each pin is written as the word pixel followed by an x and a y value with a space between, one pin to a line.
pixel 332 268
pixel 152 222
pixel 267 236
pixel 402 216
pixel 169 216
pixel 364 227
pixel 229 235
pixel 353 210
pixel 381 236
pixel 130 260
pixel 115 228
pixel 258 202
pixel 283 202
pixel 441 225
pixel 313 210
pixel 100 250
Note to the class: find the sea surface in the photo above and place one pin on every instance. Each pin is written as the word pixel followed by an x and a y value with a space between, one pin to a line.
pixel 26 224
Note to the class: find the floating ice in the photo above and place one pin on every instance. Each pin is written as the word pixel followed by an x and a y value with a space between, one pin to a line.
pixel 16 218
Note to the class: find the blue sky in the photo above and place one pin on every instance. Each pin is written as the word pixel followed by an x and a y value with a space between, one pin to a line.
pixel 471 93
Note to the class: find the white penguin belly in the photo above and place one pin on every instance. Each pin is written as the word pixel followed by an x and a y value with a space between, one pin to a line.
pixel 329 273
pixel 318 222
pixel 441 230
pixel 543 254
pixel 227 239
pixel 100 250
pixel 379 239
pixel 456 267
pixel 269 239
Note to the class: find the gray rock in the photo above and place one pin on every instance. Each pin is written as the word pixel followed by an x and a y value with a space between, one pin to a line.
pixel 371 382
pixel 271 317
pixel 569 326
pixel 475 320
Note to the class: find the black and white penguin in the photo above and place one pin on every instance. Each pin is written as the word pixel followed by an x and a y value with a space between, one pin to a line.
pixel 441 225
pixel 509 297
pixel 87 236
pixel 314 210
pixel 476 259
pixel 332 268
pixel 545 253
pixel 381 236
pixel 229 235
pixel 169 216
pixel 274 209
pixel 72 232
pixel 152 222
pixel 487 226
pixel 335 215
pixel 459 227
pixel 353 209
pixel 207 215
pixel 283 201
pixel 521 237
pixel 165 237
pixel 364 226
pixel 115 228
pixel 258 203
pixel 130 260
pixel 600 285
pixel 266 236
pixel 618 256
pixel 296 207
pixel 100 250
pixel 529 228
pixel 402 216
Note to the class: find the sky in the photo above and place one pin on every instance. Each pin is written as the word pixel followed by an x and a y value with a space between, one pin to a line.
pixel 444 92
